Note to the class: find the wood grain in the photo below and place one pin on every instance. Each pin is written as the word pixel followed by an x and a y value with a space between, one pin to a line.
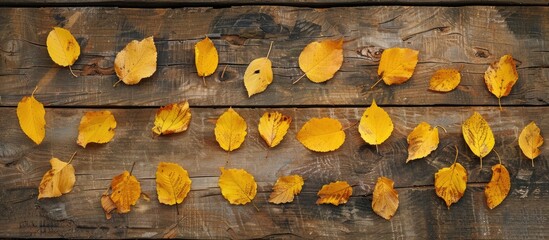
pixel 470 37
pixel 205 214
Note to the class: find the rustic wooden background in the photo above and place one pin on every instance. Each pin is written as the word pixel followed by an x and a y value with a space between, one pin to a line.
pixel 470 37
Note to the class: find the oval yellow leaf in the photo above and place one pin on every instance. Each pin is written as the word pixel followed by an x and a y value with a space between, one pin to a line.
pixel 397 65
pixel 478 135
pixel 445 80
pixel 273 126
pixel 501 76
pixel 450 183
pixel 385 200
pixel 335 193
pixel 172 118
pixel 285 188
pixel 31 115
pixel 58 180
pixel 321 134
pixel 62 47
pixel 375 125
pixel 497 189
pixel 125 191
pixel 205 57
pixel 172 183
pixel 258 76
pixel 530 140
pixel 230 130
pixel 237 186
pixel 96 127
pixel 321 60
pixel 136 61
pixel 422 141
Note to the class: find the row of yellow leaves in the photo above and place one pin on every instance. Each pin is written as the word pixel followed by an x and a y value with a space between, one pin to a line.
pixel 318 60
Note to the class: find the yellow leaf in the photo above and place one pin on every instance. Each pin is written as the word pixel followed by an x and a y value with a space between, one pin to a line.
pixel 530 140
pixel 237 186
pixel 397 65
pixel 258 76
pixel 108 205
pixel 385 200
pixel 497 189
pixel 230 130
pixel 273 126
pixel 321 134
pixel 62 47
pixel 422 141
pixel 450 183
pixel 205 57
pixel 136 61
pixel 125 191
pixel 445 80
pixel 286 188
pixel 173 118
pixel 375 125
pixel 30 113
pixel 97 127
pixel 335 193
pixel 58 180
pixel 501 76
pixel 172 183
pixel 321 60
pixel 478 135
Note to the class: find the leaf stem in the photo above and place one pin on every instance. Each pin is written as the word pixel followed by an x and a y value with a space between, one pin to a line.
pixel 131 170
pixel 204 81
pixel 457 153
pixel 223 72
pixel 377 149
pixel 256 208
pixel 72 157
pixel 35 88
pixel 116 83
pixel 498 156
pixel 269 52
pixel 70 68
pixel 441 127
pixel 499 102
pixel 352 125
pixel 372 87
pixel 299 78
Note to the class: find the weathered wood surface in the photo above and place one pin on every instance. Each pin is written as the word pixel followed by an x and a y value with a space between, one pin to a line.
pixel 469 37
pixel 206 214
pixel 305 3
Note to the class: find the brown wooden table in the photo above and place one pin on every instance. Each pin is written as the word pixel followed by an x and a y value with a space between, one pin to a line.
pixel 456 35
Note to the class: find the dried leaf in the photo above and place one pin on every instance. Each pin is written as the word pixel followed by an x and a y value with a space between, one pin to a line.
pixel 205 57
pixel 397 65
pixel 478 135
pixel 125 191
pixel 258 76
pixel 173 118
pixel 31 115
pixel 273 126
pixel 530 140
pixel 237 186
pixel 335 193
pixel 450 183
pixel 321 134
pixel 230 130
pixel 136 61
pixel 501 76
pixel 62 47
pixel 422 141
pixel 172 183
pixel 385 200
pixel 286 188
pixel 375 125
pixel 96 127
pixel 321 60
pixel 497 189
pixel 445 80
pixel 108 205
pixel 58 180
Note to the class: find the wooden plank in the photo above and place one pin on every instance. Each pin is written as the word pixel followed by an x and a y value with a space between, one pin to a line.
pixel 304 3
pixel 469 37
pixel 205 214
